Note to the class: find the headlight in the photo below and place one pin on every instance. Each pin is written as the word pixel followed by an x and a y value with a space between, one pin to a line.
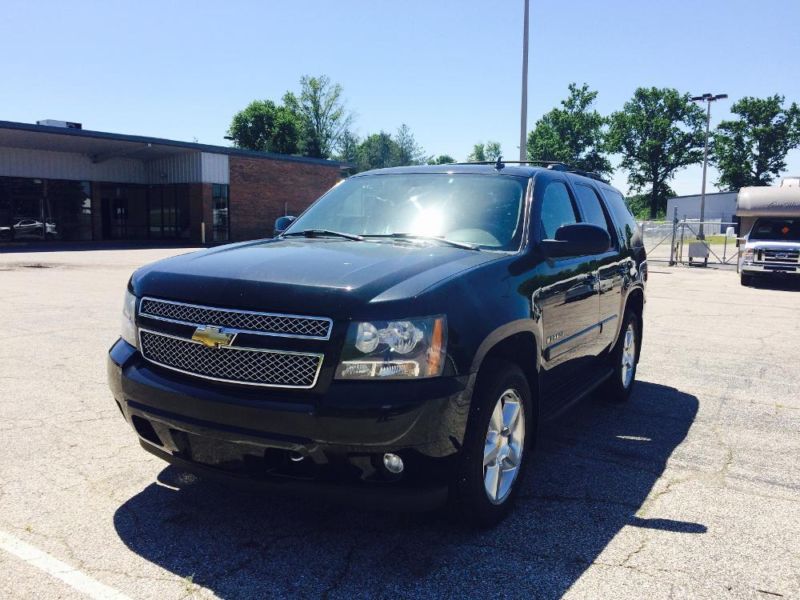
pixel 129 333
pixel 402 349
pixel 748 255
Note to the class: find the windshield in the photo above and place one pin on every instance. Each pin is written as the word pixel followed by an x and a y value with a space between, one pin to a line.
pixel 483 210
pixel 784 230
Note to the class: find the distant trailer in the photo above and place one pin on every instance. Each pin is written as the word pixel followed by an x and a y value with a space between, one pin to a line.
pixel 768 201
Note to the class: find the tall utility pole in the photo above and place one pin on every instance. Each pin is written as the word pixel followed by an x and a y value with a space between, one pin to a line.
pixel 708 99
pixel 523 121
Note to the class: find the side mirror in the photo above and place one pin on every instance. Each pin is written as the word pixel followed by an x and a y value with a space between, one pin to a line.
pixel 577 239
pixel 282 224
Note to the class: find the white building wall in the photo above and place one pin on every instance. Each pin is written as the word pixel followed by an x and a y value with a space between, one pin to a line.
pixel 176 168
pixel 189 167
pixel 719 207
pixel 215 168
pixel 23 162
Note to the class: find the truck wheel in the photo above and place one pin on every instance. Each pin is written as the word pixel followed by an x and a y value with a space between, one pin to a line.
pixel 499 439
pixel 624 360
pixel 746 280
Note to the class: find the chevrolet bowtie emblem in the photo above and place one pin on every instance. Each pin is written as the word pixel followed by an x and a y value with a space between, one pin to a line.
pixel 213 337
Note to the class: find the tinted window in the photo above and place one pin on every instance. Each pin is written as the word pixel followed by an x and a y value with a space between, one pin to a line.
pixel 623 219
pixel 557 209
pixel 590 206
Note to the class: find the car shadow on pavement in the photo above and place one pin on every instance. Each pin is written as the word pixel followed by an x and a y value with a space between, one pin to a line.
pixel 595 467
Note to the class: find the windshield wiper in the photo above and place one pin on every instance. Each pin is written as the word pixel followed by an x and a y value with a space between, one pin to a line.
pixel 433 238
pixel 312 233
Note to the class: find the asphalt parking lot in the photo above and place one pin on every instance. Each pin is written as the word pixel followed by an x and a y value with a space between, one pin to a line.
pixel 690 490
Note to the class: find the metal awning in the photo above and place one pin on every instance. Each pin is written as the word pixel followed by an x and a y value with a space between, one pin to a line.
pixel 101 145
pixel 98 149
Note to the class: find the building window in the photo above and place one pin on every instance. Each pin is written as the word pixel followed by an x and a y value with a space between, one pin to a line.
pixel 38 209
pixel 219 213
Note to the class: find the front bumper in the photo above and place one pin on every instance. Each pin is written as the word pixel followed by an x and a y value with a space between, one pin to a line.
pixel 300 442
pixel 754 268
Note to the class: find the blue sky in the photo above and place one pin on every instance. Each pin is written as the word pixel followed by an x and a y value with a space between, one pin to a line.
pixel 449 69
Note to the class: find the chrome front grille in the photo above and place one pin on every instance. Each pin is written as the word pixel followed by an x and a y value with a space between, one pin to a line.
pixel 273 368
pixel 318 328
pixel 782 257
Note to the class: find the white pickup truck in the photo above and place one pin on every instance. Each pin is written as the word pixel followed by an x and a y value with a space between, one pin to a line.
pixel 771 218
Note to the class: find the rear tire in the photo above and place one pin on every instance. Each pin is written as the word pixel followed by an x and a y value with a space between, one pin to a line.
pixel 497 444
pixel 624 360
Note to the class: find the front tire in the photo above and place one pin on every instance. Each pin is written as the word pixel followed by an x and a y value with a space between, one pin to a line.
pixel 499 441
pixel 746 280
pixel 624 359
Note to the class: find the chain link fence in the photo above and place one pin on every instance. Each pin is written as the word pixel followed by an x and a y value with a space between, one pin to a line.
pixel 691 242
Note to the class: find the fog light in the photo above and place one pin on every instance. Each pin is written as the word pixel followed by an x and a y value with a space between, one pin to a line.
pixel 393 463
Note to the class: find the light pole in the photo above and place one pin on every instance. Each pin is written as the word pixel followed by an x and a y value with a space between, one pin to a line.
pixel 523 125
pixel 708 99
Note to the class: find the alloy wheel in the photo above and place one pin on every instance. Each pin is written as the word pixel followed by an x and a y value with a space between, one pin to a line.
pixel 505 442
pixel 628 356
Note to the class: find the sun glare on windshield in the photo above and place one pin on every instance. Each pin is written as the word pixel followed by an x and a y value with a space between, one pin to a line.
pixel 480 210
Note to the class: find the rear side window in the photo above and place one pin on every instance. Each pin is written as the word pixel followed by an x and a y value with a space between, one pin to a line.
pixel 623 219
pixel 590 206
pixel 557 209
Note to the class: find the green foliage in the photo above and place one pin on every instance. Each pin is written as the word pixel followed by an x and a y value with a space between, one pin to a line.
pixel 658 132
pixel 478 153
pixel 573 134
pixel 348 147
pixel 323 113
pixel 442 159
pixel 751 150
pixel 490 151
pixel 493 150
pixel 377 151
pixel 640 206
pixel 381 150
pixel 408 151
pixel 267 127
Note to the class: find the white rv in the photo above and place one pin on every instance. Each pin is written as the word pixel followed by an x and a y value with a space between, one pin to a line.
pixel 770 220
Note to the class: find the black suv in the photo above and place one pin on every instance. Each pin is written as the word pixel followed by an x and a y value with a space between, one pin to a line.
pixel 400 342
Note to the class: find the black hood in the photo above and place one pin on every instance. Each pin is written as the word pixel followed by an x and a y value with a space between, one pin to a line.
pixel 305 276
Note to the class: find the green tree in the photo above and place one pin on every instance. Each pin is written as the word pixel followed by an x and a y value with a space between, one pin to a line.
pixel 493 150
pixel 268 127
pixel 573 134
pixel 442 159
pixel 640 206
pixel 658 132
pixel 752 149
pixel 478 153
pixel 377 151
pixel 348 147
pixel 324 115
pixel 408 152
pixel 490 151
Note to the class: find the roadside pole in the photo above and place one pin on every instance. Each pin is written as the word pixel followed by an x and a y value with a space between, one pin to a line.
pixel 523 125
pixel 708 99
pixel 672 247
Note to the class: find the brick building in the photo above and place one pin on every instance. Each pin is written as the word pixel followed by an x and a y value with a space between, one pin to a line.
pixel 61 182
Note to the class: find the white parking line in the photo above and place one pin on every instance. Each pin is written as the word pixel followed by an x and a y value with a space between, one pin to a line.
pixel 60 570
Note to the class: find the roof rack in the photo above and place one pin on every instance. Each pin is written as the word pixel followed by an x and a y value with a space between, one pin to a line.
pixel 554 165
